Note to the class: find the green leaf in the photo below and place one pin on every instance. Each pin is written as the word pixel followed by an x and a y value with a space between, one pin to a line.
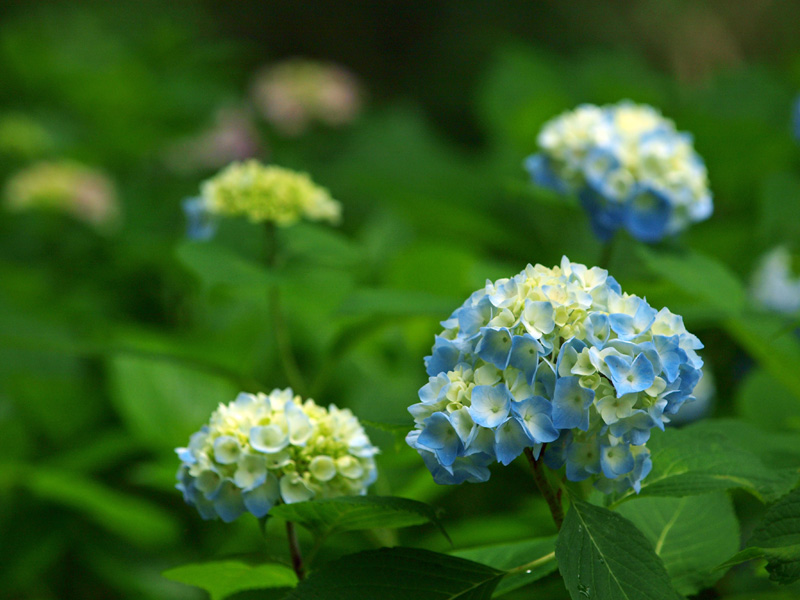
pixel 691 535
pixel 602 556
pixel 354 513
pixel 133 519
pixel 777 538
pixel 396 303
pixel 536 555
pixel 703 278
pixel 764 400
pixel 686 463
pixel 765 338
pixel 399 574
pixel 164 402
pixel 227 577
pixel 217 267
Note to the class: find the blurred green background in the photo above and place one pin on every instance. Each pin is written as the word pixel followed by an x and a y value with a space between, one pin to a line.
pixel 118 340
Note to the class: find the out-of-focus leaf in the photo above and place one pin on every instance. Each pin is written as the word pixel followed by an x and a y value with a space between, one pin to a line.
pixel 216 266
pixel 764 337
pixel 161 402
pixel 225 578
pixel 601 555
pixel 336 515
pixel 691 535
pixel 399 574
pixel 704 278
pixel 133 519
pixel 396 303
pixel 537 555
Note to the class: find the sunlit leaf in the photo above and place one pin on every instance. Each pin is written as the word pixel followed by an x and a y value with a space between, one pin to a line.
pixel 224 578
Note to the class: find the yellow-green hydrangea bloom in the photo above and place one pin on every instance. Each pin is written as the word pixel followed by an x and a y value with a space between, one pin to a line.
pixel 268 193
pixel 261 450
pixel 64 185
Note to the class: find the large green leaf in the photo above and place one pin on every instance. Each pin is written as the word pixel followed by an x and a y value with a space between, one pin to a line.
pixel 602 556
pixel 692 535
pixel 536 557
pixel 777 538
pixel 224 578
pixel 399 574
pixel 703 278
pixel 686 463
pixel 133 519
pixel 217 267
pixel 764 400
pixel 353 513
pixel 766 338
pixel 163 402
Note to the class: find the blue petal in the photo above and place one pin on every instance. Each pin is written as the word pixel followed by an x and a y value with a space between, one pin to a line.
pixel 583 460
pixel 544 382
pixel 535 417
pixel 444 357
pixel 648 214
pixel 571 404
pixel 200 222
pixel 597 329
pixel 440 435
pixel 630 377
pixel 495 346
pixel 262 498
pixel 541 171
pixel 228 502
pixel 510 441
pixel 525 353
pixel 490 405
pixel 472 318
pixel 605 218
pixel 616 460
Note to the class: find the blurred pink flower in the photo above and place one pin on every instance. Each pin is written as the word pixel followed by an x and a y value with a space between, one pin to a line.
pixel 298 92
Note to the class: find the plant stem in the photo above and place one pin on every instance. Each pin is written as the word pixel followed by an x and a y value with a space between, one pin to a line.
pixel 294 550
pixel 533 564
pixel 606 253
pixel 545 488
pixel 282 337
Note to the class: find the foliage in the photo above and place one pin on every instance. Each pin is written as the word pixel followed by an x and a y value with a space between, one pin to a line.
pixel 116 343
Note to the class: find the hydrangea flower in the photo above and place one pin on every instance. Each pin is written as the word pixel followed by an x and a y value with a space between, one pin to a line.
pixel 232 136
pixel 84 193
pixel 295 93
pixel 774 285
pixel 262 193
pixel 260 450
pixel 558 357
pixel 629 166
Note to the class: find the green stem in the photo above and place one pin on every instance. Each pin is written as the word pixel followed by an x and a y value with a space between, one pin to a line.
pixel 533 564
pixel 282 337
pixel 606 253
pixel 550 496
pixel 294 550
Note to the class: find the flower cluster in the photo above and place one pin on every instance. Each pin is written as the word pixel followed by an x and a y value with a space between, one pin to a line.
pixel 232 136
pixel 261 193
pixel 260 450
pixel 775 286
pixel 86 194
pixel 629 166
pixel 560 357
pixel 295 93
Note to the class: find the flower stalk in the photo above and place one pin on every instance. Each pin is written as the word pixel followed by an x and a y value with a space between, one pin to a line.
pixel 551 497
pixel 294 550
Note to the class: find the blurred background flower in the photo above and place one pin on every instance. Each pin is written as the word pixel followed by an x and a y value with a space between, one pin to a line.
pixel 296 93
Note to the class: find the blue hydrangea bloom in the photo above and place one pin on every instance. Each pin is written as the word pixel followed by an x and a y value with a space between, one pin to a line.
pixel 558 360
pixel 629 166
pixel 201 223
pixel 260 450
